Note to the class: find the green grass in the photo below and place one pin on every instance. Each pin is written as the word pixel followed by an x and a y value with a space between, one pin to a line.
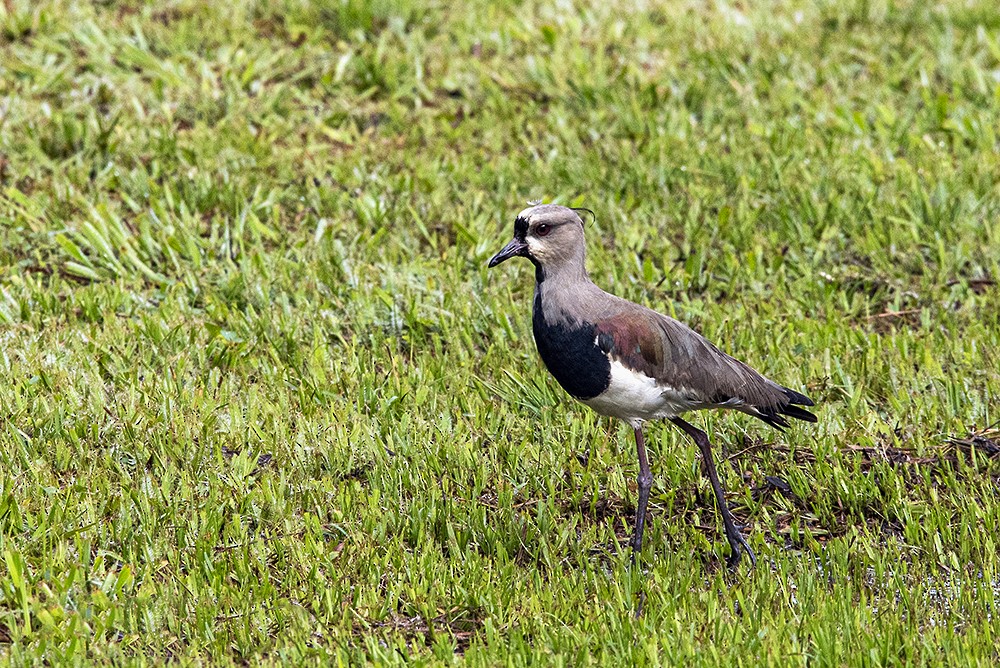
pixel 261 401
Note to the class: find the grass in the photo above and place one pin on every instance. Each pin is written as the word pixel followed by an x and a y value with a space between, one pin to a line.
pixel 262 401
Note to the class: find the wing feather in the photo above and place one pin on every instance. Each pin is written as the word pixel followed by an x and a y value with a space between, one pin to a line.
pixel 677 356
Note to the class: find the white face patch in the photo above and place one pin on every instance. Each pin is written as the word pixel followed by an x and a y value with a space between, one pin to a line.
pixel 536 247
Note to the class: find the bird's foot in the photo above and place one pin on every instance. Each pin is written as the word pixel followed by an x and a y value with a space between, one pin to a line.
pixel 738 544
pixel 639 605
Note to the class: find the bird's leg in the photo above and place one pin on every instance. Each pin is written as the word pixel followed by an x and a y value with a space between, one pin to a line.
pixel 736 540
pixel 645 482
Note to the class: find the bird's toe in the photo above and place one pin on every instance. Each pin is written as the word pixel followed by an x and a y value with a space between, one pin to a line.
pixel 739 545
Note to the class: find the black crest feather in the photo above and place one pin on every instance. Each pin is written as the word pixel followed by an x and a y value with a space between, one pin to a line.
pixel 578 209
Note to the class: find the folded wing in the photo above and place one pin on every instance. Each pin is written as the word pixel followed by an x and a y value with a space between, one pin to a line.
pixel 678 357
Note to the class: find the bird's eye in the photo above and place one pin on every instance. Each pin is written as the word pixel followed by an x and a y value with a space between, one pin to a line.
pixel 542 230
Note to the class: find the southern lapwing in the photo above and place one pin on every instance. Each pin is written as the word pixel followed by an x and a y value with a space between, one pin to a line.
pixel 627 361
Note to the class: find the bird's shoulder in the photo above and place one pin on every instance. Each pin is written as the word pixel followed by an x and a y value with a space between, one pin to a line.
pixel 641 338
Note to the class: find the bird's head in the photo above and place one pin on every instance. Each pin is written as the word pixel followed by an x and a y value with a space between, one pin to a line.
pixel 549 235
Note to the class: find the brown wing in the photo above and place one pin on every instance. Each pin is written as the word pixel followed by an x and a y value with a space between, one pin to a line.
pixel 676 355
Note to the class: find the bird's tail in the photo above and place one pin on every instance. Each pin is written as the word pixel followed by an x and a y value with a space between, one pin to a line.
pixel 775 416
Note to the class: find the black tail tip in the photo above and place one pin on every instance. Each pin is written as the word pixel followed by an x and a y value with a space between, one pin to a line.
pixel 775 415
pixel 797 398
pixel 798 413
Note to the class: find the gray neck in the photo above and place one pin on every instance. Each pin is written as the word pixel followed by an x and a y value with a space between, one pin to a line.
pixel 565 265
pixel 564 273
pixel 565 291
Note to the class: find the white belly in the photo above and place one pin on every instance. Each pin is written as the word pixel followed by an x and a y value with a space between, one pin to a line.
pixel 635 397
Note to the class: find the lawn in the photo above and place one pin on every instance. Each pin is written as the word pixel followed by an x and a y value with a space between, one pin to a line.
pixel 262 402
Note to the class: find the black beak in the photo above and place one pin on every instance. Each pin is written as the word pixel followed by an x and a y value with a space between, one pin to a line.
pixel 515 247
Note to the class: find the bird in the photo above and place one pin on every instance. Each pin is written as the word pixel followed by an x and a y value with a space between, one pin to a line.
pixel 627 361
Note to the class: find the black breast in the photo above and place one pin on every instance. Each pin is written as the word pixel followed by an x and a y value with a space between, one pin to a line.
pixel 571 355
